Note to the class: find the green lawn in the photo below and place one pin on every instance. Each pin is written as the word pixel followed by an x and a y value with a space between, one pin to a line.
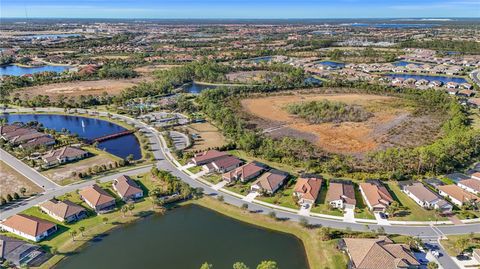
pixel 472 239
pixel 322 208
pixel 413 211
pixel 361 209
pixel 195 169
pixel 283 167
pixel 283 197
pixel 240 188
pixel 213 178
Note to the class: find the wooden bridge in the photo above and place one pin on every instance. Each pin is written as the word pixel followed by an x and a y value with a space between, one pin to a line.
pixel 111 136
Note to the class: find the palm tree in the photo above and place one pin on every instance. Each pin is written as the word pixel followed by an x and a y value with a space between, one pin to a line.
pixel 105 220
pixel 124 210
pixel 81 229
pixel 73 233
pixel 131 207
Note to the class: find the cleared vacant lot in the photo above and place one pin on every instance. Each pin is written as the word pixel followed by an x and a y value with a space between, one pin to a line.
pixel 77 88
pixel 207 136
pixel 393 122
pixel 11 181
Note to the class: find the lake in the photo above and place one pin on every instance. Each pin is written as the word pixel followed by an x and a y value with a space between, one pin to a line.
pixel 87 128
pixel 15 70
pixel 194 87
pixel 443 79
pixel 185 238
pixel 332 64
pixel 405 63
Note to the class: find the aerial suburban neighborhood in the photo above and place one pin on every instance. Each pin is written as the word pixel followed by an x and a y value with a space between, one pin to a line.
pixel 293 135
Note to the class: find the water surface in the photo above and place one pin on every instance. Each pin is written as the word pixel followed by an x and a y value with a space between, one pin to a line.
pixel 87 128
pixel 185 238
pixel 15 70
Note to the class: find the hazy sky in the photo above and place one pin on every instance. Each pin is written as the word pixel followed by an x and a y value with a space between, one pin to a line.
pixel 239 8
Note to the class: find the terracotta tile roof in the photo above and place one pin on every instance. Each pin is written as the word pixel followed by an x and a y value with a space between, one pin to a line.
pixel 30 225
pixel 244 171
pixel 341 191
pixel 379 254
pixel 270 180
pixel 62 209
pixel 95 195
pixel 459 193
pixel 308 187
pixel 208 155
pixel 126 187
pixel 376 193
pixel 471 183
pixel 65 152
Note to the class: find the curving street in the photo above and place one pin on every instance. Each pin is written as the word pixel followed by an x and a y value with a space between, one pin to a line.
pixel 164 161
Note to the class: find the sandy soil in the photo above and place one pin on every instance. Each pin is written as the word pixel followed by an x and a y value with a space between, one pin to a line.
pixel 209 136
pixel 76 88
pixel 11 181
pixel 249 76
pixel 381 130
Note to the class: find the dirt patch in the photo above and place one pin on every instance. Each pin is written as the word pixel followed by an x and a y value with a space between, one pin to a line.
pixel 393 122
pixel 11 181
pixel 250 76
pixel 205 136
pixel 77 88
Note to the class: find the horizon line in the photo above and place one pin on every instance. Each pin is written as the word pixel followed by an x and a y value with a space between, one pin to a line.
pixel 233 18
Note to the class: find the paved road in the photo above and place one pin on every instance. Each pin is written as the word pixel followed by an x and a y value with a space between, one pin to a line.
pixel 425 232
pixel 28 172
pixel 445 260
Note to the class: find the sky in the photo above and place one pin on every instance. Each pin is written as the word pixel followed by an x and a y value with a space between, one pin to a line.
pixel 247 9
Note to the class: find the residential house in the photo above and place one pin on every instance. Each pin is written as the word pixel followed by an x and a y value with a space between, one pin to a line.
pixel 243 173
pixel 222 165
pixel 207 157
pixel 425 197
pixel 65 211
pixel 471 185
pixel 127 189
pixel 269 182
pixel 458 196
pixel 97 198
pixel 375 195
pixel 475 175
pixel 341 194
pixel 378 253
pixel 64 155
pixel 19 252
pixel 307 189
pixel 21 136
pixel 29 227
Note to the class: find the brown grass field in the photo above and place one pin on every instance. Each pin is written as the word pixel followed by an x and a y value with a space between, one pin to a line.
pixel 11 181
pixel 393 122
pixel 209 136
pixel 77 88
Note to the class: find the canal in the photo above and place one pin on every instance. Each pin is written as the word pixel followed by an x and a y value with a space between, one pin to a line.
pixel 185 238
pixel 87 128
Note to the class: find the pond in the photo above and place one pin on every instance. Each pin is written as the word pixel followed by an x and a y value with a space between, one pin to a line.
pixel 185 238
pixel 87 128
pixel 196 88
pixel 15 70
pixel 332 64
pixel 405 63
pixel 443 79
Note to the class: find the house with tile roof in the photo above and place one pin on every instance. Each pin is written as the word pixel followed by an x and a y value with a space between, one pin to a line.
pixel 223 164
pixel 97 198
pixel 29 227
pixel 470 185
pixel 207 157
pixel 341 194
pixel 425 197
pixel 127 188
pixel 378 253
pixel 375 195
pixel 63 155
pixel 269 182
pixel 243 173
pixel 307 189
pixel 458 196
pixel 19 252
pixel 66 211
